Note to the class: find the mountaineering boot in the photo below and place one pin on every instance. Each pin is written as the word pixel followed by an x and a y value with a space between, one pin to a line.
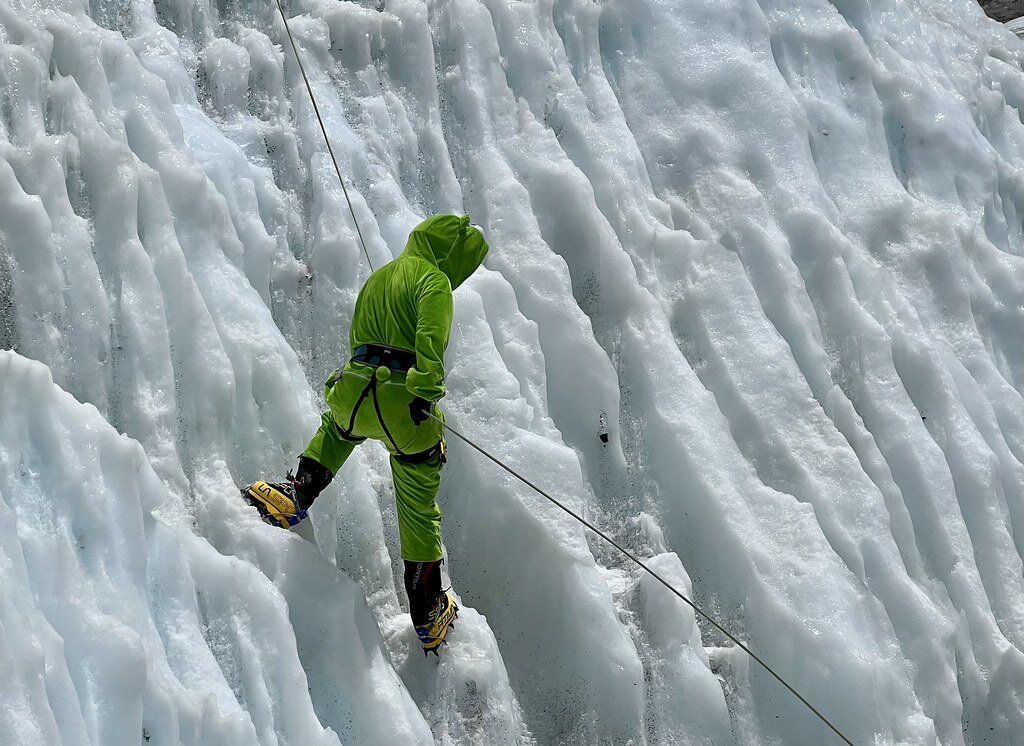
pixel 286 504
pixel 275 502
pixel 432 633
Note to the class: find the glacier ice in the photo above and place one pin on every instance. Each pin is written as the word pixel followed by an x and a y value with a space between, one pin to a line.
pixel 774 247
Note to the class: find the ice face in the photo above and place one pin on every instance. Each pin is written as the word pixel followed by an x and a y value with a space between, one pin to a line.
pixel 753 306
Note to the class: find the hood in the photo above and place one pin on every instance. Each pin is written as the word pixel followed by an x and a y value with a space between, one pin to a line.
pixel 451 244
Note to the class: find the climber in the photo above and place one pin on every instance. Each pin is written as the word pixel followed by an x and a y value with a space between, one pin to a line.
pixel 388 391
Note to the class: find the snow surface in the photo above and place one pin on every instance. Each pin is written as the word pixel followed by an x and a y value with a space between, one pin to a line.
pixel 776 246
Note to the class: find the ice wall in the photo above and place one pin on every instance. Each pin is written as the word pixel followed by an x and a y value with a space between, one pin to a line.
pixel 122 626
pixel 776 246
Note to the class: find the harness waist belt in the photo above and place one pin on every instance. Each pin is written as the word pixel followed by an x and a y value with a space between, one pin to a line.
pixel 390 357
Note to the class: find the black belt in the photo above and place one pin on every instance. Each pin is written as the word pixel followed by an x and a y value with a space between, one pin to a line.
pixel 389 357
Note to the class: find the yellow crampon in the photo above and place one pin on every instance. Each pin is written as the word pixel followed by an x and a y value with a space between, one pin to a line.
pixel 275 503
pixel 442 617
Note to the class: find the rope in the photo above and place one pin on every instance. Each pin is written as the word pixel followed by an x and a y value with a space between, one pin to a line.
pixel 651 572
pixel 740 644
pixel 323 129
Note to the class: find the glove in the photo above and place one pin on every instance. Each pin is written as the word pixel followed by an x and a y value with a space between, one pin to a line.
pixel 309 481
pixel 419 409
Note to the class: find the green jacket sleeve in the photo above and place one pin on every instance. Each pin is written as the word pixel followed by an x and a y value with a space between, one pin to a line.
pixel 433 325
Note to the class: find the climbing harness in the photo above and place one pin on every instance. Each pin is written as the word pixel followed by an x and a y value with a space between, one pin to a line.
pixel 384 360
pixel 371 388
pixel 370 392
pixel 393 358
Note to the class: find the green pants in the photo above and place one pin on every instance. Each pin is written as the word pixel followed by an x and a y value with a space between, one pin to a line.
pixel 416 484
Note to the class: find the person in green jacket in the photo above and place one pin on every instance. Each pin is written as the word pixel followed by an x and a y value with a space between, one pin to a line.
pixel 388 391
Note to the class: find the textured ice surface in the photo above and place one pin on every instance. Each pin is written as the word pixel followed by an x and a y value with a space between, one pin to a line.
pixel 775 248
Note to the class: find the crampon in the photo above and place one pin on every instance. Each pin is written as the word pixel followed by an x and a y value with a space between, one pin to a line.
pixel 442 618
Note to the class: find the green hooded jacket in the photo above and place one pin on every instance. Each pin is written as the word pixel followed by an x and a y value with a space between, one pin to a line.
pixel 407 304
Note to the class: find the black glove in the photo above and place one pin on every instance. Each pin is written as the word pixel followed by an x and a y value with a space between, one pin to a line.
pixel 310 479
pixel 419 409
